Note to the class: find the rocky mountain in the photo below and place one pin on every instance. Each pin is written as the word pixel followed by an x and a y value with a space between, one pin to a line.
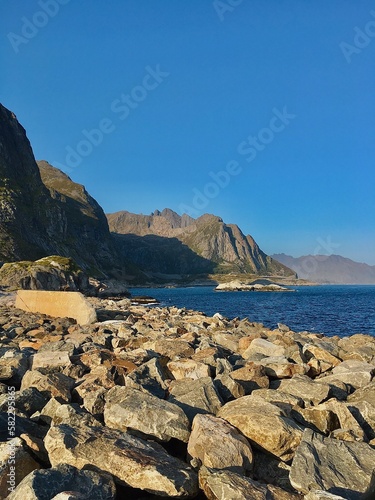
pixel 43 212
pixel 329 269
pixel 206 244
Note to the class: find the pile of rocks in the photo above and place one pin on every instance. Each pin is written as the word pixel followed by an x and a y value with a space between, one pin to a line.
pixel 169 402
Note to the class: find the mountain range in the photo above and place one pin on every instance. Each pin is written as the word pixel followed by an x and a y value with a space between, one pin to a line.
pixel 44 212
pixel 329 269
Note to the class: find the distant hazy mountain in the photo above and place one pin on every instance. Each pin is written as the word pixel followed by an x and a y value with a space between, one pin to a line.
pixel 167 242
pixel 329 269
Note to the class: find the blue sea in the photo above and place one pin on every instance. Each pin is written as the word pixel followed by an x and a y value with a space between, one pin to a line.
pixel 333 310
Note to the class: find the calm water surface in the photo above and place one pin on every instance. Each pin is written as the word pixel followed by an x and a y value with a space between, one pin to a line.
pixel 332 310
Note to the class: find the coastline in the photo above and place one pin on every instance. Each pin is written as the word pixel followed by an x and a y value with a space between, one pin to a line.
pixel 206 377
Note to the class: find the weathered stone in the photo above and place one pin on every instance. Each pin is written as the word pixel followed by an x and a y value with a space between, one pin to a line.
pixel 340 467
pixel 50 360
pixel 27 401
pixel 304 388
pixel 321 495
pixel 352 372
pixel 15 464
pixel 215 443
pixel 57 304
pixel 364 414
pixel 225 485
pixel 347 421
pixel 188 368
pixel 195 396
pixel 318 418
pixel 17 360
pixel 73 415
pixel 319 353
pixel 228 388
pixel 251 376
pixel 130 460
pixel 173 348
pixel 52 483
pixel 279 398
pixel 50 385
pixel 265 424
pixel 225 340
pixel 271 470
pixel 93 389
pixel 7 372
pixel 279 367
pixel 262 346
pixel 149 377
pixel 129 408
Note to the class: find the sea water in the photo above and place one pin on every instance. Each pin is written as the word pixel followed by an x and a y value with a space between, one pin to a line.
pixel 330 309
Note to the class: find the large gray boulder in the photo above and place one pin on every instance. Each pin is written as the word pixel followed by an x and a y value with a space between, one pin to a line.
pixel 339 467
pixel 265 424
pixel 129 408
pixel 217 444
pixel 46 484
pixel 130 460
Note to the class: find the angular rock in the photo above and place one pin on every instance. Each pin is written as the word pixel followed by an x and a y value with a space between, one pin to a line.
pixel 225 485
pixel 51 483
pixel 173 348
pixel 251 376
pixel 130 460
pixel 321 495
pixel 27 401
pixel 50 385
pixel 318 418
pixel 188 368
pixel 93 389
pixel 303 387
pixel 279 367
pixel 280 398
pixel 50 360
pixel 129 408
pixel 265 424
pixel 262 346
pixel 219 445
pixel 340 467
pixel 352 372
pixel 57 304
pixel 321 354
pixel 149 377
pixel 195 396
pixel 228 388
pixel 15 463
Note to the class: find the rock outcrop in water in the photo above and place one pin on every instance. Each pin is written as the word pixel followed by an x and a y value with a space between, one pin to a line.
pixel 170 402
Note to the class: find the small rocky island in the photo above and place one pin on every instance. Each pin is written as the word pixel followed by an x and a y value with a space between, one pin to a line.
pixel 148 402
pixel 259 285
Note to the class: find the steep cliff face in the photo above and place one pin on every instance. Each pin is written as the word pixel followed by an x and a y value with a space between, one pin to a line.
pixel 221 247
pixel 43 212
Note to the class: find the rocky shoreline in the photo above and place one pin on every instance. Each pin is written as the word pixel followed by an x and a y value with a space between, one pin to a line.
pixel 169 402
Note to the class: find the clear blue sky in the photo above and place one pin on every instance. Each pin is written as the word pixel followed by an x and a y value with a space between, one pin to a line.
pixel 183 90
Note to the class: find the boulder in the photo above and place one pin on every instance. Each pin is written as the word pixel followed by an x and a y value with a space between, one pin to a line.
pixel 217 444
pixel 15 463
pixel 228 388
pixel 130 460
pixel 50 360
pixel 280 367
pixel 57 304
pixel 195 396
pixel 58 481
pixel 149 377
pixel 352 372
pixel 126 407
pixel 339 467
pixel 310 391
pixel 251 376
pixel 27 401
pixel 225 485
pixel 55 385
pixel 265 424
pixel 262 346
pixel 188 368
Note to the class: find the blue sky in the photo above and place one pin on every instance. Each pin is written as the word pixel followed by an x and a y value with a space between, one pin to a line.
pixel 261 112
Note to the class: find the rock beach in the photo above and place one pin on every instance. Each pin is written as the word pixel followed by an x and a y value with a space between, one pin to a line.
pixel 169 402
